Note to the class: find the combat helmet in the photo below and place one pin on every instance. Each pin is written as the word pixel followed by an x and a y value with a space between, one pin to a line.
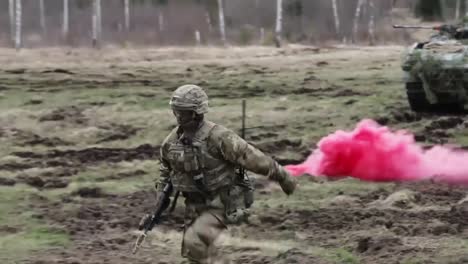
pixel 190 97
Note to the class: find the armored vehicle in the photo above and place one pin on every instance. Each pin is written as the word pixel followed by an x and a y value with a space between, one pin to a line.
pixel 436 70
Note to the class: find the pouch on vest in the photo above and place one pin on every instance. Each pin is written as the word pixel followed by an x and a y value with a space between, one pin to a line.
pixel 193 165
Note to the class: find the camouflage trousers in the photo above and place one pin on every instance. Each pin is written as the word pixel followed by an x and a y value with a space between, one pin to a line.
pixel 206 220
pixel 199 237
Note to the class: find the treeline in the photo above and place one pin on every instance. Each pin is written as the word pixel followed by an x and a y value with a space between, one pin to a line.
pixel 189 22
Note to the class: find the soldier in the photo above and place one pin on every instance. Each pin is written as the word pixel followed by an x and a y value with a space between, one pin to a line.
pixel 200 158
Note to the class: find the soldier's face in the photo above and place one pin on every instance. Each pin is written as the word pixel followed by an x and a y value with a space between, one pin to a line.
pixel 184 117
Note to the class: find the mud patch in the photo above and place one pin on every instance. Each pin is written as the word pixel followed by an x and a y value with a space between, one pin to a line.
pixel 42 182
pixel 279 145
pixel 27 138
pixel 7 181
pixel 441 129
pixel 293 255
pixel 125 175
pixel 79 158
pixel 16 71
pixel 89 192
pixel 445 123
pixel 117 132
pixel 399 116
pixel 101 228
pixel 72 114
pixel 6 230
pixel 372 245
pixel 59 70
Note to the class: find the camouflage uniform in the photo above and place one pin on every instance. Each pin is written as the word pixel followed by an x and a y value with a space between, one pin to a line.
pixel 204 171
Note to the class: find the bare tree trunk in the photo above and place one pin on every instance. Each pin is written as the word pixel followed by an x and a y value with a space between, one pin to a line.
pixel 222 26
pixel 262 36
pixel 99 19
pixel 95 24
pixel 457 10
pixel 258 10
pixel 18 25
pixel 127 15
pixel 337 19
pixel 197 37
pixel 357 15
pixel 279 22
pixel 42 16
pixel 208 21
pixel 11 12
pixel 466 7
pixel 371 22
pixel 161 21
pixel 65 18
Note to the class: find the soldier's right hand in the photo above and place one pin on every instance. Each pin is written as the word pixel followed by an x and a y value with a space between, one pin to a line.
pixel 144 222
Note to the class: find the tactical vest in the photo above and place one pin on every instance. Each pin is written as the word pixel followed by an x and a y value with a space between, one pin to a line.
pixel 195 168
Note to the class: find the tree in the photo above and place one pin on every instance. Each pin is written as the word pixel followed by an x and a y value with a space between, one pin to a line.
pixel 65 25
pixel 279 22
pixel 96 22
pixel 11 12
pixel 372 11
pixel 336 18
pixel 42 16
pixel 18 25
pixel 222 27
pixel 357 14
pixel 127 14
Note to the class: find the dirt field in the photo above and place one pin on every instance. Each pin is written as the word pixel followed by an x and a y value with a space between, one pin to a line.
pixel 80 132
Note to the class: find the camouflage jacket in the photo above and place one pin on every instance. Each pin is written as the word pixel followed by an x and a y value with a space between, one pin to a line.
pixel 213 157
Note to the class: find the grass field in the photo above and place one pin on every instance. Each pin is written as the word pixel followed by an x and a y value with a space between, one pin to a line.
pixel 80 132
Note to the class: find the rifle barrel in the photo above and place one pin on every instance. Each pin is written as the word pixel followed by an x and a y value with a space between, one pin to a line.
pixel 243 118
pixel 415 27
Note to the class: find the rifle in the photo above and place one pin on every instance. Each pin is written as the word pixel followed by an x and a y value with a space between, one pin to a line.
pixel 450 29
pixel 242 170
pixel 244 177
pixel 162 204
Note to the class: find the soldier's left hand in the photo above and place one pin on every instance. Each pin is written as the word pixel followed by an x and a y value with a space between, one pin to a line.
pixel 288 185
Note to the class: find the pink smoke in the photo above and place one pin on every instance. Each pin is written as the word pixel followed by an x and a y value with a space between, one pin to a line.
pixel 374 153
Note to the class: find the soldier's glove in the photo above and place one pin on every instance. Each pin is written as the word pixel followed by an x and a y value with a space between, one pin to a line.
pixel 284 179
pixel 144 222
pixel 288 184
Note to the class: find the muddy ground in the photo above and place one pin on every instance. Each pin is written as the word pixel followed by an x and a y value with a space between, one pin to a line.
pixel 80 132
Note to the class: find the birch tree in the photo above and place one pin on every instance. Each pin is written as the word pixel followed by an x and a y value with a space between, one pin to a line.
pixel 357 15
pixel 18 25
pixel 222 26
pixel 95 24
pixel 197 37
pixel 127 15
pixel 457 10
pixel 371 22
pixel 336 18
pixel 99 18
pixel 466 7
pixel 208 21
pixel 65 25
pixel 279 22
pixel 258 21
pixel 42 16
pixel 161 21
pixel 11 12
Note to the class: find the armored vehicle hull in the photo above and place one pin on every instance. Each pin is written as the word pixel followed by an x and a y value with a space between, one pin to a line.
pixel 436 75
